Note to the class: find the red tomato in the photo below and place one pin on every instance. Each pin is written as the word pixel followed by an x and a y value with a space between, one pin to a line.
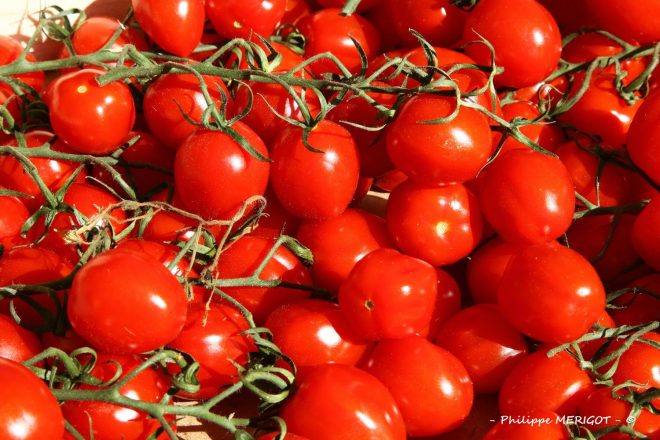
pixel 277 221
pixel 439 22
pixel 447 302
pixel 89 118
pixel 340 242
pixel 537 285
pixel 165 253
pixel 535 425
pixel 485 343
pixel 639 21
pixel 527 197
pixel 243 257
pixel 438 153
pixel 439 224
pixel 363 6
pixel 174 25
pixel 328 31
pixel 214 175
pixel 361 408
pixel 486 268
pixel 95 32
pixel 389 295
pixel 540 383
pixel 646 233
pixel 274 436
pixel 10 50
pixel 546 135
pixel 242 18
pixel 643 137
pixel 515 27
pixel 295 10
pixel 166 225
pixel 640 308
pixel 434 395
pixel 17 343
pixel 28 410
pixel 571 16
pixel 171 97
pixel 312 185
pixel 13 215
pixel 315 332
pixel 214 338
pixel 481 418
pixel 148 307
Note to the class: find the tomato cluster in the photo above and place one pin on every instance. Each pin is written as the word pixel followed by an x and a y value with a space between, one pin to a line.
pixel 374 220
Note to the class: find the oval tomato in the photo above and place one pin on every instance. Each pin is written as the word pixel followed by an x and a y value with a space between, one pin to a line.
pixel 242 18
pixel 439 22
pixel 95 32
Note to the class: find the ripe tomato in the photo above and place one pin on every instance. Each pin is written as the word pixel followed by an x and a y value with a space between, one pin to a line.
pixel 361 408
pixel 28 410
pixel 638 21
pixel 482 417
pixel 362 7
pixel 89 118
pixel 527 197
pixel 438 153
pixel 13 215
pixel 174 25
pixel 315 332
pixel 546 135
pixel 340 242
pixel 312 185
pixel 640 308
pixel 165 253
pixel 439 224
pixel 434 396
pixel 277 221
pixel 148 307
pixel 643 137
pixel 214 175
pixel 546 427
pixel 540 283
pixel 447 302
pixel 389 295
pixel 95 32
pixel 514 27
pixel 485 343
pixel 242 18
pixel 275 436
pixel 486 268
pixel 439 22
pixel 646 235
pixel 10 50
pixel 17 343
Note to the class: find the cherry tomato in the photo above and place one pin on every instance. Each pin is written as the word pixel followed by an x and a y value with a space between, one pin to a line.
pixel 340 242
pixel 389 295
pixel 482 417
pixel 643 137
pixel 546 135
pixel 95 32
pixel 447 302
pixel 242 18
pixel 13 215
pixel 17 343
pixel 313 185
pixel 275 436
pixel 165 253
pixel 435 395
pixel 214 175
pixel 362 7
pixel 486 268
pixel 89 118
pixel 638 308
pixel 361 408
pixel 527 197
pixel 646 233
pixel 148 307
pixel 535 425
pixel 28 410
pixel 295 10
pixel 10 50
pixel 538 284
pixel 439 224
pixel 174 25
pixel 439 22
pixel 278 221
pixel 638 21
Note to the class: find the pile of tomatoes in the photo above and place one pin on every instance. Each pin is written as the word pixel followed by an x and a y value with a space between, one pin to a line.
pixel 384 219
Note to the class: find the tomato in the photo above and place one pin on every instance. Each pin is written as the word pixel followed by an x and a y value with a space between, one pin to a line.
pixel 527 197
pixel 167 225
pixel 435 395
pixel 165 253
pixel 482 417
pixel 485 343
pixel 244 256
pixel 438 153
pixel 109 421
pixel 546 135
pixel 640 308
pixel 315 332
pixel 274 436
pixel 439 22
pixel 362 7
pixel 312 185
pixel 28 410
pixel 95 32
pixel 541 425
pixel 571 16
pixel 439 224
pixel 447 302
pixel 213 336
pixel 587 47
pixel 10 50
pixel 277 221
pixel 340 242
pixel 13 215
pixel 538 284
pixel 639 21
pixel 89 118
pixel 242 18
pixel 389 295
pixel 486 268
pixel 214 175
pixel 17 343
pixel 148 307
pixel 174 25
pixel 327 30
pixel 170 97
pixel 643 137
pixel 362 408
pixel 514 27
pixel 295 10
pixel 646 235
pixel 32 265
pixel 540 383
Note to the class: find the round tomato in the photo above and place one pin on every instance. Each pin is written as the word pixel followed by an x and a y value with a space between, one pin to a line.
pixel 643 137
pixel 10 50
pixel 546 135
pixel 638 21
pixel 486 268
pixel 95 32
pixel 447 302
pixel 439 22
pixel 638 308
pixel 165 253
pixel 13 215
pixel 17 343
pixel 242 18
pixel 646 233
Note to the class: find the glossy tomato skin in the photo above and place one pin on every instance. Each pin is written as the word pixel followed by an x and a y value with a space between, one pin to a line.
pixel 389 295
pixel 28 410
pixel 214 175
pixel 439 224
pixel 639 308
pixel 485 343
pixel 13 215
pixel 89 118
pixel 638 22
pixel 512 27
pixel 451 152
pixel 486 268
pixel 148 308
pixel 241 18
pixel 315 332
pixel 643 137
pixel 165 253
pixel 434 396
pixel 95 32
pixel 646 233
pixel 538 284
pixel 362 7
pixel 17 343
pixel 548 136
pixel 340 242
pixel 213 338
pixel 174 25
pixel 527 197
pixel 10 50
pixel 447 302
pixel 361 408
pixel 311 185
pixel 545 427
pixel 439 22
